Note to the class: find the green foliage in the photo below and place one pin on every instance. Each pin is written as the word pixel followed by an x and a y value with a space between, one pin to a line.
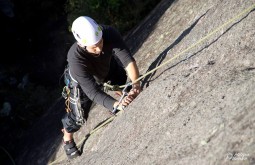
pixel 119 13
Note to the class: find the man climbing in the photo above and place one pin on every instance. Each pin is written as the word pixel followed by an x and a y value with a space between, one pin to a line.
pixel 99 55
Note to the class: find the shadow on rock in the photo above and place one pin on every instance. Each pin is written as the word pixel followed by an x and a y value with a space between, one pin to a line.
pixel 162 56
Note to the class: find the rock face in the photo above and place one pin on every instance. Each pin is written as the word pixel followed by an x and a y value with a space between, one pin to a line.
pixel 197 109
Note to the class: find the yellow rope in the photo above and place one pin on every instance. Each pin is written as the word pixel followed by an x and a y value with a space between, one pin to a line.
pixel 107 121
pixel 246 11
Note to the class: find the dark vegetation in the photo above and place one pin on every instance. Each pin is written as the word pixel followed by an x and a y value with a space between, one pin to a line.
pixel 123 14
pixel 35 38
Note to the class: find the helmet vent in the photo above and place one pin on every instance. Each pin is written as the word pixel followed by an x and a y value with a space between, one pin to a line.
pixel 78 36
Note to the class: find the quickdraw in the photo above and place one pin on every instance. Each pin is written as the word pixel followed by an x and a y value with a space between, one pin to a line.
pixel 71 94
pixel 124 94
pixel 108 86
pixel 66 96
pixel 175 56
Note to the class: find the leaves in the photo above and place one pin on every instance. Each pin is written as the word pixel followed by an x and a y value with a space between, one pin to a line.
pixel 123 14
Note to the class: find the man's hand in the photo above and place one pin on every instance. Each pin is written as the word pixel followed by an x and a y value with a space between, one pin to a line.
pixel 133 93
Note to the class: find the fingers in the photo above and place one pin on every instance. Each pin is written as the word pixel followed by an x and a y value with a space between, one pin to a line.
pixel 118 93
pixel 133 93
pixel 127 100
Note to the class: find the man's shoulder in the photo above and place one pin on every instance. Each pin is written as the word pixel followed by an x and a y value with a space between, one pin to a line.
pixel 108 27
pixel 110 32
pixel 73 47
pixel 75 53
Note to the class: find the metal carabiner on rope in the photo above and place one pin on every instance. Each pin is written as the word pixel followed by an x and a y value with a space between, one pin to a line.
pixel 124 94
pixel 108 86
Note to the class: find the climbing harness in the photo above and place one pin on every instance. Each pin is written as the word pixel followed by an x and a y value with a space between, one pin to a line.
pixel 71 94
pixel 246 11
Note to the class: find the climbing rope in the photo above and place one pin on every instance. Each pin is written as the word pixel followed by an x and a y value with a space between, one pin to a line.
pixel 108 86
pixel 79 144
pixel 246 11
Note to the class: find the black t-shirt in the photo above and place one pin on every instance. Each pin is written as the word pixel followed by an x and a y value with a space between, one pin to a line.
pixel 88 69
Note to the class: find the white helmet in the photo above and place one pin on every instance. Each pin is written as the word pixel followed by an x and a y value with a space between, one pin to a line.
pixel 86 31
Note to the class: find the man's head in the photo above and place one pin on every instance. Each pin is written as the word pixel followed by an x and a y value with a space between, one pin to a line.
pixel 88 34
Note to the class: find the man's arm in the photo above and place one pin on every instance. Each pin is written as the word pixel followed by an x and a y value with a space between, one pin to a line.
pixel 133 74
pixel 122 52
pixel 90 87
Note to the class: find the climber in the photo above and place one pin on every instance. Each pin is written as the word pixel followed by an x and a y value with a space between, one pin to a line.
pixel 100 55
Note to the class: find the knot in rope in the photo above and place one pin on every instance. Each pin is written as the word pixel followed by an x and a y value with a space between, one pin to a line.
pixel 108 87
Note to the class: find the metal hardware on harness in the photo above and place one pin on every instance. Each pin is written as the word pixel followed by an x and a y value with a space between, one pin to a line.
pixel 77 107
pixel 124 93
pixel 108 87
pixel 66 92
pixel 73 100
